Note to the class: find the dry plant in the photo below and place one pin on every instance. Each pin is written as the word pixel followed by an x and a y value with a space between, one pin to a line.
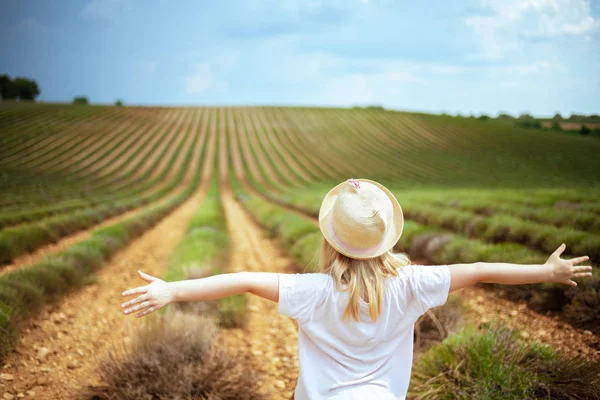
pixel 174 356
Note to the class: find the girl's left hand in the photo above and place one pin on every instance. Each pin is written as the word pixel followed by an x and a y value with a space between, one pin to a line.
pixel 153 297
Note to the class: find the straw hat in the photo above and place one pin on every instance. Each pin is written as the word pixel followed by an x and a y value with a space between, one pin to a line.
pixel 361 219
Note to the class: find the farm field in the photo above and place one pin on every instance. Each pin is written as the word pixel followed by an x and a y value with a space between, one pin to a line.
pixel 90 194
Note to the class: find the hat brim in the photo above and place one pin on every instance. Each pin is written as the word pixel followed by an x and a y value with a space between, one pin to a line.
pixel 390 240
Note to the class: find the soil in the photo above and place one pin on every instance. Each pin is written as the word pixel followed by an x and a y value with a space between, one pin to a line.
pixel 485 305
pixel 269 341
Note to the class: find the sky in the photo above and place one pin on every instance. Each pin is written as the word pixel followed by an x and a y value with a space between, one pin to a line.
pixel 468 56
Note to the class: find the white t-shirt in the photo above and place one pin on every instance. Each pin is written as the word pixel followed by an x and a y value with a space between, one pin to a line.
pixel 345 359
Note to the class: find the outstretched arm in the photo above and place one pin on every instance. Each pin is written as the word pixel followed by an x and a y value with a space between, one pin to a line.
pixel 159 293
pixel 554 270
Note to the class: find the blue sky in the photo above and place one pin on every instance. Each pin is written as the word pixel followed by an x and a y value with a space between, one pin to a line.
pixel 471 56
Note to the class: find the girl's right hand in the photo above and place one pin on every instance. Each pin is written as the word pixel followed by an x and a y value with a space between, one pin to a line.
pixel 564 270
pixel 153 297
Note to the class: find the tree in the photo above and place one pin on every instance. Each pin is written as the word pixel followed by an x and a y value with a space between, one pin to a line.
pixel 18 88
pixel 27 89
pixel 505 117
pixel 557 117
pixel 525 116
pixel 5 84
pixel 119 103
pixel 556 125
pixel 81 100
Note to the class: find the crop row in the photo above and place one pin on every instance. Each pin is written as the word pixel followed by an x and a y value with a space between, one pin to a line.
pixel 204 251
pixel 79 185
pixel 106 164
pixel 27 237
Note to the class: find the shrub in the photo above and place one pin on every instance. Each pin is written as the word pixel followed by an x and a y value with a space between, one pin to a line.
pixel 585 130
pixel 81 100
pixel 175 356
pixel 495 364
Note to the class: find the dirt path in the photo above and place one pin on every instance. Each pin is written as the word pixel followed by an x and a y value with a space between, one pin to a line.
pixel 485 305
pixel 77 330
pixel 270 340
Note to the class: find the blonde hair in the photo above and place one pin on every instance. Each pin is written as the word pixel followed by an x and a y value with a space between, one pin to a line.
pixel 361 278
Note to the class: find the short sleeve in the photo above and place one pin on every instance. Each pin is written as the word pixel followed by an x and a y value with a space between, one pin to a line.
pixel 300 293
pixel 431 285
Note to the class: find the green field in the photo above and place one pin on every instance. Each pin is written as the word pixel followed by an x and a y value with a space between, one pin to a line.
pixel 81 183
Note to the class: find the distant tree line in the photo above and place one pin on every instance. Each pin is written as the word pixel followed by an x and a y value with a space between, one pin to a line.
pixel 84 101
pixel 18 88
pixel 526 120
pixel 375 107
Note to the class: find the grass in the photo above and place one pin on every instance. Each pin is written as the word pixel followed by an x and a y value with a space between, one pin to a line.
pixel 203 251
pixel 495 364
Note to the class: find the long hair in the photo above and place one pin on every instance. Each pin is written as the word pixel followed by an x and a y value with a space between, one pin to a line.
pixel 360 278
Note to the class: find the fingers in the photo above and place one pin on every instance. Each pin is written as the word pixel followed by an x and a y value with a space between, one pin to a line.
pixel 577 260
pixel 137 300
pixel 582 275
pixel 146 277
pixel 137 290
pixel 138 307
pixel 571 282
pixel 560 250
pixel 582 268
pixel 147 311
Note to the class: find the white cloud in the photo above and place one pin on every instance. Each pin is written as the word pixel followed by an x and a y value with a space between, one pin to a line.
pixel 432 86
pixel 202 80
pixel 502 33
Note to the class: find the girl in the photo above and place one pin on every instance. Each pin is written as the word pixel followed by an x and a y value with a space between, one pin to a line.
pixel 356 317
